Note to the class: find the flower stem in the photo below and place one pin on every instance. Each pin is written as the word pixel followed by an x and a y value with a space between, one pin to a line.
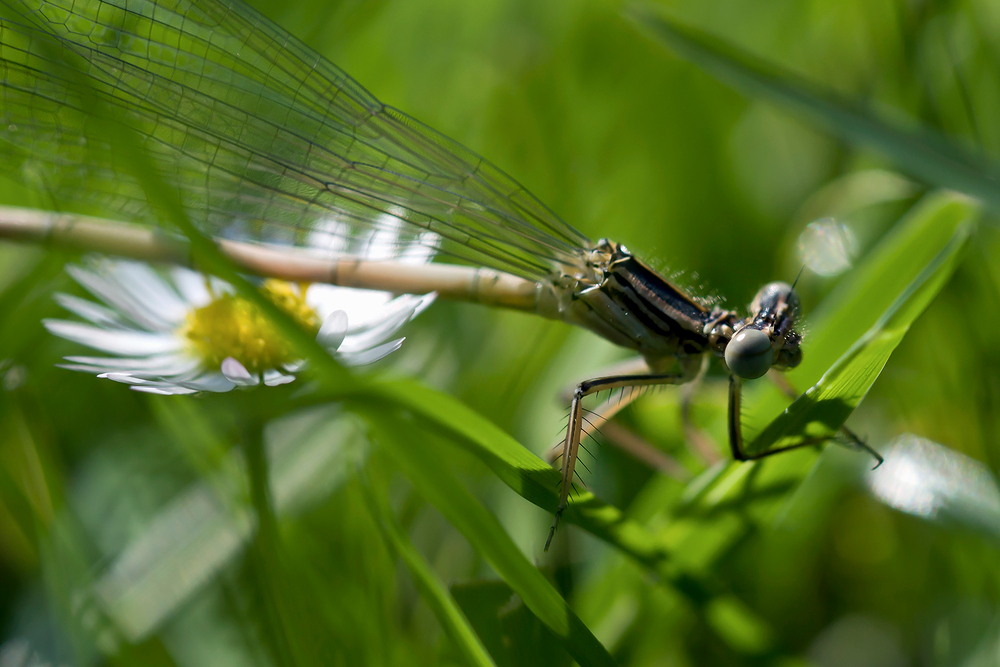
pixel 265 555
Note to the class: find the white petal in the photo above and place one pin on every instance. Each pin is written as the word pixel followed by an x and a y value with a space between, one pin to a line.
pixel 334 328
pixel 191 285
pixel 364 340
pixel 424 301
pixel 359 304
pixel 273 378
pixel 213 381
pixel 164 390
pixel 84 368
pixel 151 289
pixel 139 381
pixel 237 373
pixel 89 310
pixel 116 342
pixel 102 370
pixel 365 308
pixel 220 286
pixel 406 308
pixel 161 364
pixel 107 291
pixel 295 366
pixel 109 286
pixel 371 355
pixel 124 378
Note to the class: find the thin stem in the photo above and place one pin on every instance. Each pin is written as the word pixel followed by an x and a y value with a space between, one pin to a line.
pixel 111 237
pixel 265 551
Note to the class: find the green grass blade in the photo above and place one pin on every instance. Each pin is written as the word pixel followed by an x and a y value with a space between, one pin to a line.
pixel 267 558
pixel 431 589
pixel 536 481
pixel 513 635
pixel 526 474
pixel 823 409
pixel 867 291
pixel 854 312
pixel 888 290
pixel 422 466
pixel 920 152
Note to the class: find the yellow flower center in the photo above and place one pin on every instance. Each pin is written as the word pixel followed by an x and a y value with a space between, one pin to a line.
pixel 231 326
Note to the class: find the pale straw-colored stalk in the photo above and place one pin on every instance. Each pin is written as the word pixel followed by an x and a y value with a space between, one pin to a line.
pixel 122 239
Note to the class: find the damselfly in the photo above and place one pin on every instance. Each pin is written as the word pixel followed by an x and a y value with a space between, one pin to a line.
pixel 261 135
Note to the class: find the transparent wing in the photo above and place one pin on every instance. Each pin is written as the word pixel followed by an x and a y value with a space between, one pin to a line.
pixel 260 135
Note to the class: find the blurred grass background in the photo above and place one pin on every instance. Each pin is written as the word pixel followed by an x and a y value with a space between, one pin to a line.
pixel 623 140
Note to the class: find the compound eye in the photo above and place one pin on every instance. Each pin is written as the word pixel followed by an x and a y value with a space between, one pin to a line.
pixel 749 354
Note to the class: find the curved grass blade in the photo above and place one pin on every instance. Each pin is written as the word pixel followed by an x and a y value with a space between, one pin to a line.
pixel 422 467
pixel 536 481
pixel 825 406
pixel 527 475
pixel 729 502
pixel 868 293
pixel 922 153
pixel 434 593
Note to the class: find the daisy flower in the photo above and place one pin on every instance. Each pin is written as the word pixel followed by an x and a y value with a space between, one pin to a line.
pixel 180 332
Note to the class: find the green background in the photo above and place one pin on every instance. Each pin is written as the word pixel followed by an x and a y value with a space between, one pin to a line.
pixel 624 140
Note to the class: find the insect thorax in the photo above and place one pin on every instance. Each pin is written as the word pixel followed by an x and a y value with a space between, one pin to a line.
pixel 631 305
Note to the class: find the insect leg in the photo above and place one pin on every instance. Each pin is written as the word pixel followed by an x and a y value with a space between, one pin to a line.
pixel 736 433
pixel 571 444
pixel 599 419
pixel 853 440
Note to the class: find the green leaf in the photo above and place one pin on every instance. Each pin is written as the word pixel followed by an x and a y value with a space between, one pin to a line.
pixel 514 635
pixel 431 589
pixel 919 152
pixel 866 292
pixel 886 292
pixel 529 476
pixel 422 466
pixel 825 406
pixel 884 295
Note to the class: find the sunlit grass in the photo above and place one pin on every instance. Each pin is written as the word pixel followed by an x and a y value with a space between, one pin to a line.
pixel 369 518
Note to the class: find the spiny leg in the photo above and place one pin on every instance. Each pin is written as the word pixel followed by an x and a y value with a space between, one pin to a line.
pixel 571 444
pixel 600 417
pixel 599 420
pixel 630 366
pixel 736 432
pixel 736 429
pixel 854 440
